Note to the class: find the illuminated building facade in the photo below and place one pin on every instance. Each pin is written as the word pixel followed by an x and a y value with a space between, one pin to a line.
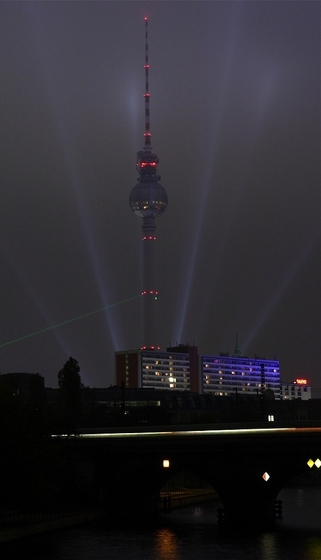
pixel 176 369
pixel 181 368
pixel 299 389
pixel 225 375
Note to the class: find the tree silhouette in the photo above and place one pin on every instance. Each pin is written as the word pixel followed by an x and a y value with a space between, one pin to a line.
pixel 70 387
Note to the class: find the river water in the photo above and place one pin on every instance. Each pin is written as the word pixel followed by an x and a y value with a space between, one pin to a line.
pixel 187 534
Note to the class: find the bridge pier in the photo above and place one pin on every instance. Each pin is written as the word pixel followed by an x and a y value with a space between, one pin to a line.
pixel 250 515
pixel 248 505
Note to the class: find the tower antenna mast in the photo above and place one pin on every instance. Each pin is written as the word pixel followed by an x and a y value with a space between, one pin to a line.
pixel 147 134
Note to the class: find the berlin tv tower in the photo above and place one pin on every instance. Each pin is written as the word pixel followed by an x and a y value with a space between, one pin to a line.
pixel 148 200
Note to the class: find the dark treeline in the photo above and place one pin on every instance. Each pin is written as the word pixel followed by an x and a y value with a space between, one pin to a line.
pixel 36 472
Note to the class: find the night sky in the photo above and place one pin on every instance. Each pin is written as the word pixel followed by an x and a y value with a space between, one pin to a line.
pixel 235 119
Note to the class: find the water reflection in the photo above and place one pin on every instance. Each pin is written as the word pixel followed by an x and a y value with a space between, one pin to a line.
pixel 313 549
pixel 198 512
pixel 186 534
pixel 269 546
pixel 302 507
pixel 166 544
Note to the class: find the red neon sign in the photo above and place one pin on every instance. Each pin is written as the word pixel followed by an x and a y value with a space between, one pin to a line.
pixel 301 381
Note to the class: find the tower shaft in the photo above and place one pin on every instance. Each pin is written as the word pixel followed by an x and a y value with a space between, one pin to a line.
pixel 150 294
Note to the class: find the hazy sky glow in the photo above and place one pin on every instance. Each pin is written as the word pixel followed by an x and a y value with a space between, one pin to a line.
pixel 235 119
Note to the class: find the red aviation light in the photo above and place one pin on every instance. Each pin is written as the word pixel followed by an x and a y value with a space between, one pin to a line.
pixel 147 163
pixel 153 292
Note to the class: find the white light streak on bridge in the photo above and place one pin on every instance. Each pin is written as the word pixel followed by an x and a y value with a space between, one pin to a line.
pixel 194 432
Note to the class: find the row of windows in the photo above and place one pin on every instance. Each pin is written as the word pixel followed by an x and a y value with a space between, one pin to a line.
pixel 161 357
pixel 164 368
pixel 177 386
pixel 169 379
pixel 153 374
pixel 209 367
pixel 256 363
pixel 219 391
pixel 295 389
pixel 230 384
pixel 244 373
pixel 242 383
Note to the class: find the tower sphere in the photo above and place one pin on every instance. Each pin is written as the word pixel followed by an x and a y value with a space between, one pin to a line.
pixel 148 199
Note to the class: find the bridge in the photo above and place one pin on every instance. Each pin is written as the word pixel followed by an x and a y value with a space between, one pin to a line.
pixel 247 464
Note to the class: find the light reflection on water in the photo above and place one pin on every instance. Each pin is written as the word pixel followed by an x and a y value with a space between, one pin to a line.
pixel 166 544
pixel 302 507
pixel 187 534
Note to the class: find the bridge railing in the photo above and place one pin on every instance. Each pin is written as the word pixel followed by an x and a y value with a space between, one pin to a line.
pixel 175 499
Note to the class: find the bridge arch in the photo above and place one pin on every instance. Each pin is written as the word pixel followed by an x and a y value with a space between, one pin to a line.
pixel 247 466
pixel 184 488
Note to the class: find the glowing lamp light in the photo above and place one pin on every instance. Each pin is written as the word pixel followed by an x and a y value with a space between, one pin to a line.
pixel 266 476
pixel 166 463
pixel 317 463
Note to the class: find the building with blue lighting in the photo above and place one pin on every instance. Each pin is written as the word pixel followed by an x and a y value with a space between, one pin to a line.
pixel 181 368
pixel 226 375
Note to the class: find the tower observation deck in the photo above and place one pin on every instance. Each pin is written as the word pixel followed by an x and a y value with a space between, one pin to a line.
pixel 148 200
